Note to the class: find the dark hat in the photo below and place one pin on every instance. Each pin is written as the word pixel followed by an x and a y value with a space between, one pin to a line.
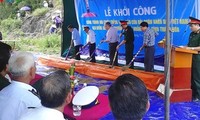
pixel 123 22
pixel 86 26
pixel 194 20
pixel 108 23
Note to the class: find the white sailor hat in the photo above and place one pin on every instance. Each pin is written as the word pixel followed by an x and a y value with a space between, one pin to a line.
pixel 86 97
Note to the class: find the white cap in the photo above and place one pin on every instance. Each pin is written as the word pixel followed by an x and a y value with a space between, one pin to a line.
pixel 86 96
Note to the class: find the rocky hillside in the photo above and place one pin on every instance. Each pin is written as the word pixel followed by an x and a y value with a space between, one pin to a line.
pixel 38 25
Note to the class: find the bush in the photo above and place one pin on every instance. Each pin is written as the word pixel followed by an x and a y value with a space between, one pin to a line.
pixel 48 44
pixel 40 11
pixel 32 3
pixel 58 4
pixel 10 24
pixel 6 11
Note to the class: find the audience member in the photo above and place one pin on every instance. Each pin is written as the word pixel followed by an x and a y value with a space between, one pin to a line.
pixel 4 57
pixel 128 98
pixel 55 94
pixel 19 96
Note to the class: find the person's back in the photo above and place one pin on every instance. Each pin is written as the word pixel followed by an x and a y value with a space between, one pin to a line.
pixel 55 94
pixel 5 53
pixel 128 98
pixel 42 113
pixel 19 96
pixel 13 103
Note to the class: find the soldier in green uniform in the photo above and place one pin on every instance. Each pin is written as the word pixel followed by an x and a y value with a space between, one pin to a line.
pixel 194 44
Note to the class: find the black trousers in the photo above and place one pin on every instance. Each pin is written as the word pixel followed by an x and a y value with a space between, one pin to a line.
pixel 77 48
pixel 112 50
pixel 92 48
pixel 129 54
pixel 149 58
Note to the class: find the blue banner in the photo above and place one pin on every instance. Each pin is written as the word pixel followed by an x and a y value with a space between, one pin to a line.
pixel 95 13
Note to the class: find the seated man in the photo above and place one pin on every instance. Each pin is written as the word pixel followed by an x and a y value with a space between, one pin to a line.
pixel 17 97
pixel 5 55
pixel 55 94
pixel 4 70
pixel 128 98
pixel 5 47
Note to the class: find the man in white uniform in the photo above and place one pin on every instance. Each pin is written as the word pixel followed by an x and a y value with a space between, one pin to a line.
pixel 17 97
pixel 91 41
pixel 55 94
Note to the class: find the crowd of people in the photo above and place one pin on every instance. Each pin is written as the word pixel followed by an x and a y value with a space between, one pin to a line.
pixel 128 96
pixel 113 39
pixel 21 101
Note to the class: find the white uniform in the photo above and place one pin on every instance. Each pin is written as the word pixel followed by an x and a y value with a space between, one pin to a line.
pixel 15 99
pixel 42 113
pixel 91 37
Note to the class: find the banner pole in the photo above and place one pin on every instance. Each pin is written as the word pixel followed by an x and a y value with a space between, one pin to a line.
pixel 167 62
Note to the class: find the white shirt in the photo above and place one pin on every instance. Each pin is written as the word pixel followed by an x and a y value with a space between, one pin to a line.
pixel 112 35
pixel 76 37
pixel 15 100
pixel 42 113
pixel 45 4
pixel 91 37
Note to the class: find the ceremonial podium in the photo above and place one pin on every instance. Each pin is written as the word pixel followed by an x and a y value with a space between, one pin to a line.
pixel 180 75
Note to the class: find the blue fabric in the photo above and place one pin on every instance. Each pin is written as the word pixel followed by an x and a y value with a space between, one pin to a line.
pixel 94 13
pixel 178 111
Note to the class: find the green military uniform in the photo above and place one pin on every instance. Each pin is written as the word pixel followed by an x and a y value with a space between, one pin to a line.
pixel 194 41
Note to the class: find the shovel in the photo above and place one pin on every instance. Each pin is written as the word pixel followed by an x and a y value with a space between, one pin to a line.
pixel 111 66
pixel 129 65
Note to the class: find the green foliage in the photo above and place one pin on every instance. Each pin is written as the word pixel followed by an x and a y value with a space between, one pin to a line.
pixel 10 24
pixel 6 11
pixel 49 44
pixel 11 27
pixel 33 3
pixel 40 11
pixel 58 3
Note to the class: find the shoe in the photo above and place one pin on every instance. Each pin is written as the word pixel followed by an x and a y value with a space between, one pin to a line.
pixel 196 100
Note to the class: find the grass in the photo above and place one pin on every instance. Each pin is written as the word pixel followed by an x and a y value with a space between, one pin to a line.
pixel 10 24
pixel 58 4
pixel 11 28
pixel 40 11
pixel 48 44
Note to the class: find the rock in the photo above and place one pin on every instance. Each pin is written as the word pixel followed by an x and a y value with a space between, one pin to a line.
pixel 37 26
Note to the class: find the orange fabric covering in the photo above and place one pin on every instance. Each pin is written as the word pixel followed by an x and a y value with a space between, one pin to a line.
pixel 95 70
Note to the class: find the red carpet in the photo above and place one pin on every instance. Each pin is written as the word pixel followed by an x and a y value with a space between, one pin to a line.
pixel 37 77
pixel 93 113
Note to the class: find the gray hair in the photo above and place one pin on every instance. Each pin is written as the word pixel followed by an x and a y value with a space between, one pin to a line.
pixel 21 63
